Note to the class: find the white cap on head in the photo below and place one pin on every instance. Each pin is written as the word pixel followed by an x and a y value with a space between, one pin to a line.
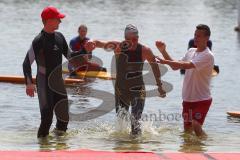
pixel 131 29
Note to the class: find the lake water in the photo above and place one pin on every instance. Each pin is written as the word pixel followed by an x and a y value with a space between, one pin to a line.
pixel 171 21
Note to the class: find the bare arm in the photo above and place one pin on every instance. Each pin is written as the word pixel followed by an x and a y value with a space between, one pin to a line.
pixel 161 46
pixel 100 44
pixel 108 45
pixel 175 65
pixel 148 55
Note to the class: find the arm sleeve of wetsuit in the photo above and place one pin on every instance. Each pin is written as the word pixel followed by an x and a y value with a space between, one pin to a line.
pixel 71 44
pixel 66 49
pixel 27 70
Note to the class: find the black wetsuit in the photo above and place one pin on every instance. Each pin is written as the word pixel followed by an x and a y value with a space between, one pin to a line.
pixel 47 49
pixel 129 86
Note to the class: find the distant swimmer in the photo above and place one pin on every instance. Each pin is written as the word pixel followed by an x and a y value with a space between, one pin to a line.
pixel 47 49
pixel 132 92
pixel 198 63
pixel 77 44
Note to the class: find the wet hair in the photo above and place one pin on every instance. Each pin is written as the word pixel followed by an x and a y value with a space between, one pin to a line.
pixel 82 26
pixel 205 28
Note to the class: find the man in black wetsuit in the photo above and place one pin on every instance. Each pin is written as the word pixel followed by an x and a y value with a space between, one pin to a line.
pixel 129 85
pixel 47 49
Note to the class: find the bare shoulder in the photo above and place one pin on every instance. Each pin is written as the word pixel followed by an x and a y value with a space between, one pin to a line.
pixel 147 53
pixel 146 50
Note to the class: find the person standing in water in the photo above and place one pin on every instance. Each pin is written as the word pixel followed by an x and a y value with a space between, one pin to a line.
pixel 77 44
pixel 47 49
pixel 129 85
pixel 198 63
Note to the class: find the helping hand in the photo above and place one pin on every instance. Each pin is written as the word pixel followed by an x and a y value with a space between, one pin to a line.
pixel 161 46
pixel 90 46
pixel 161 92
pixel 160 60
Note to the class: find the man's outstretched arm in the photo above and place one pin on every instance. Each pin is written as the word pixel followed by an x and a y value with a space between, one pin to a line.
pixel 27 71
pixel 148 55
pixel 175 65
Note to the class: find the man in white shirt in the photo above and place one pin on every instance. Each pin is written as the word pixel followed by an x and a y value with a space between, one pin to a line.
pixel 198 63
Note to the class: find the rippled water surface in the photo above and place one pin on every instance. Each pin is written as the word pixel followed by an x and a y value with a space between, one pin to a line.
pixel 171 21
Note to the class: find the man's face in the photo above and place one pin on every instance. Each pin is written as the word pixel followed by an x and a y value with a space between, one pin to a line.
pixel 53 23
pixel 131 37
pixel 200 38
pixel 82 32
